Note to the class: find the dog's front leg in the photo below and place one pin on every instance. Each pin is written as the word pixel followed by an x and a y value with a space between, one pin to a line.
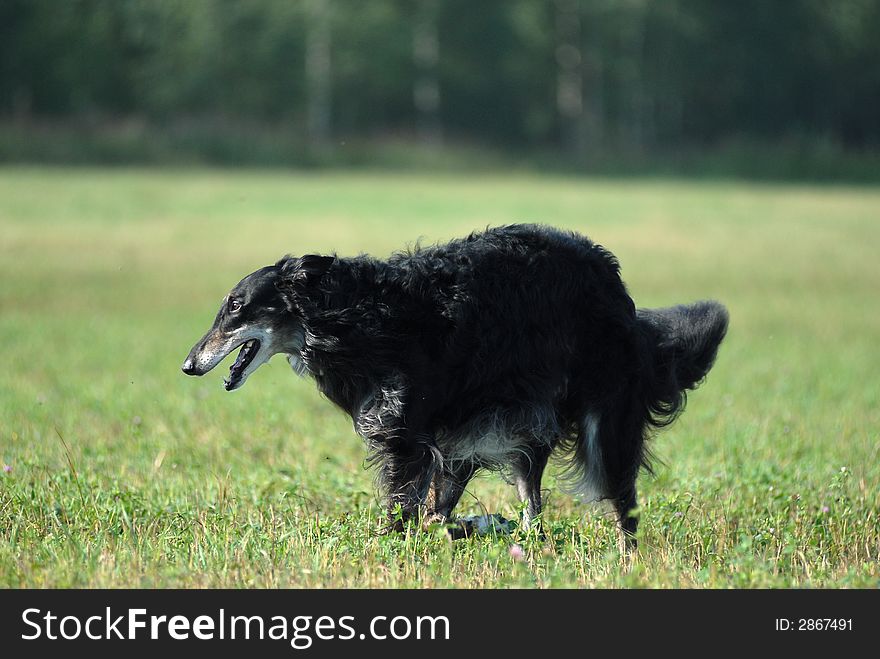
pixel 449 484
pixel 408 469
pixel 392 421
pixel 446 490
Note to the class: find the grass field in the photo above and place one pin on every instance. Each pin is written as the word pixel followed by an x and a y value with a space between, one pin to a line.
pixel 120 471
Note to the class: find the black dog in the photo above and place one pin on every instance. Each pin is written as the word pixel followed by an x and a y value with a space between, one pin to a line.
pixel 485 353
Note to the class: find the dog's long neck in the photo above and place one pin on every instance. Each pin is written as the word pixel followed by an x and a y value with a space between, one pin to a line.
pixel 347 345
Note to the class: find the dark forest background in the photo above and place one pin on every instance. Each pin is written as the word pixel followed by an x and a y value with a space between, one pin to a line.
pixel 787 88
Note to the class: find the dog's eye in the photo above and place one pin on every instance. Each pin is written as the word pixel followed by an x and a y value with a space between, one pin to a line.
pixel 234 305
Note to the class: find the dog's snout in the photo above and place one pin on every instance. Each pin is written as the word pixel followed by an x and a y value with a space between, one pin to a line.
pixel 189 367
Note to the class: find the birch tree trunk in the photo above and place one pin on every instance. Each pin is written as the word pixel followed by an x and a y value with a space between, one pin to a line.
pixel 569 77
pixel 319 82
pixel 426 88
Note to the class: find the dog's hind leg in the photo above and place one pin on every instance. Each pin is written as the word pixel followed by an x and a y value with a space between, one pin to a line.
pixel 528 470
pixel 621 442
pixel 625 505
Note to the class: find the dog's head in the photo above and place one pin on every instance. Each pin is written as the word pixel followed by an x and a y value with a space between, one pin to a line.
pixel 255 317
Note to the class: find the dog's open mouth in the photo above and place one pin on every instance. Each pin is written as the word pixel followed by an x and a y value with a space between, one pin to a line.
pixel 246 355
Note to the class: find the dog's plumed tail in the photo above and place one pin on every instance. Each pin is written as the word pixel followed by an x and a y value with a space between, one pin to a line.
pixel 683 341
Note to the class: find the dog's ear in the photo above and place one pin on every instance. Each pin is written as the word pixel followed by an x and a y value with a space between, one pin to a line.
pixel 305 269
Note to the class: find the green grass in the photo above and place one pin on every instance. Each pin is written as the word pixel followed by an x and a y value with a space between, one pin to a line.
pixel 126 473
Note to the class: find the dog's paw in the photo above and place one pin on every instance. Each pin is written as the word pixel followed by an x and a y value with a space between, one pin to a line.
pixel 392 527
pixel 433 520
pixel 400 523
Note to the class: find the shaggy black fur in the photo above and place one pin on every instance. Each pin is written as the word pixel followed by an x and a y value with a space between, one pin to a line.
pixel 490 352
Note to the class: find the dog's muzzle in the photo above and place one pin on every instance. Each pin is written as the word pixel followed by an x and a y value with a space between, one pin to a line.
pixel 209 352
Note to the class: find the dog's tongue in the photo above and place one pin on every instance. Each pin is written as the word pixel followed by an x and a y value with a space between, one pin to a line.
pixel 238 366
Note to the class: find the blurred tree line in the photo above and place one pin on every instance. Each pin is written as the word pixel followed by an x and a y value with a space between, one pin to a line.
pixel 584 76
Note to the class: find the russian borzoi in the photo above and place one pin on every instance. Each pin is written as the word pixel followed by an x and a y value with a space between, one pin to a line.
pixel 489 352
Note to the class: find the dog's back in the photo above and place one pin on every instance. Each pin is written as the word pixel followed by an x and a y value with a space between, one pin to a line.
pixel 527 318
